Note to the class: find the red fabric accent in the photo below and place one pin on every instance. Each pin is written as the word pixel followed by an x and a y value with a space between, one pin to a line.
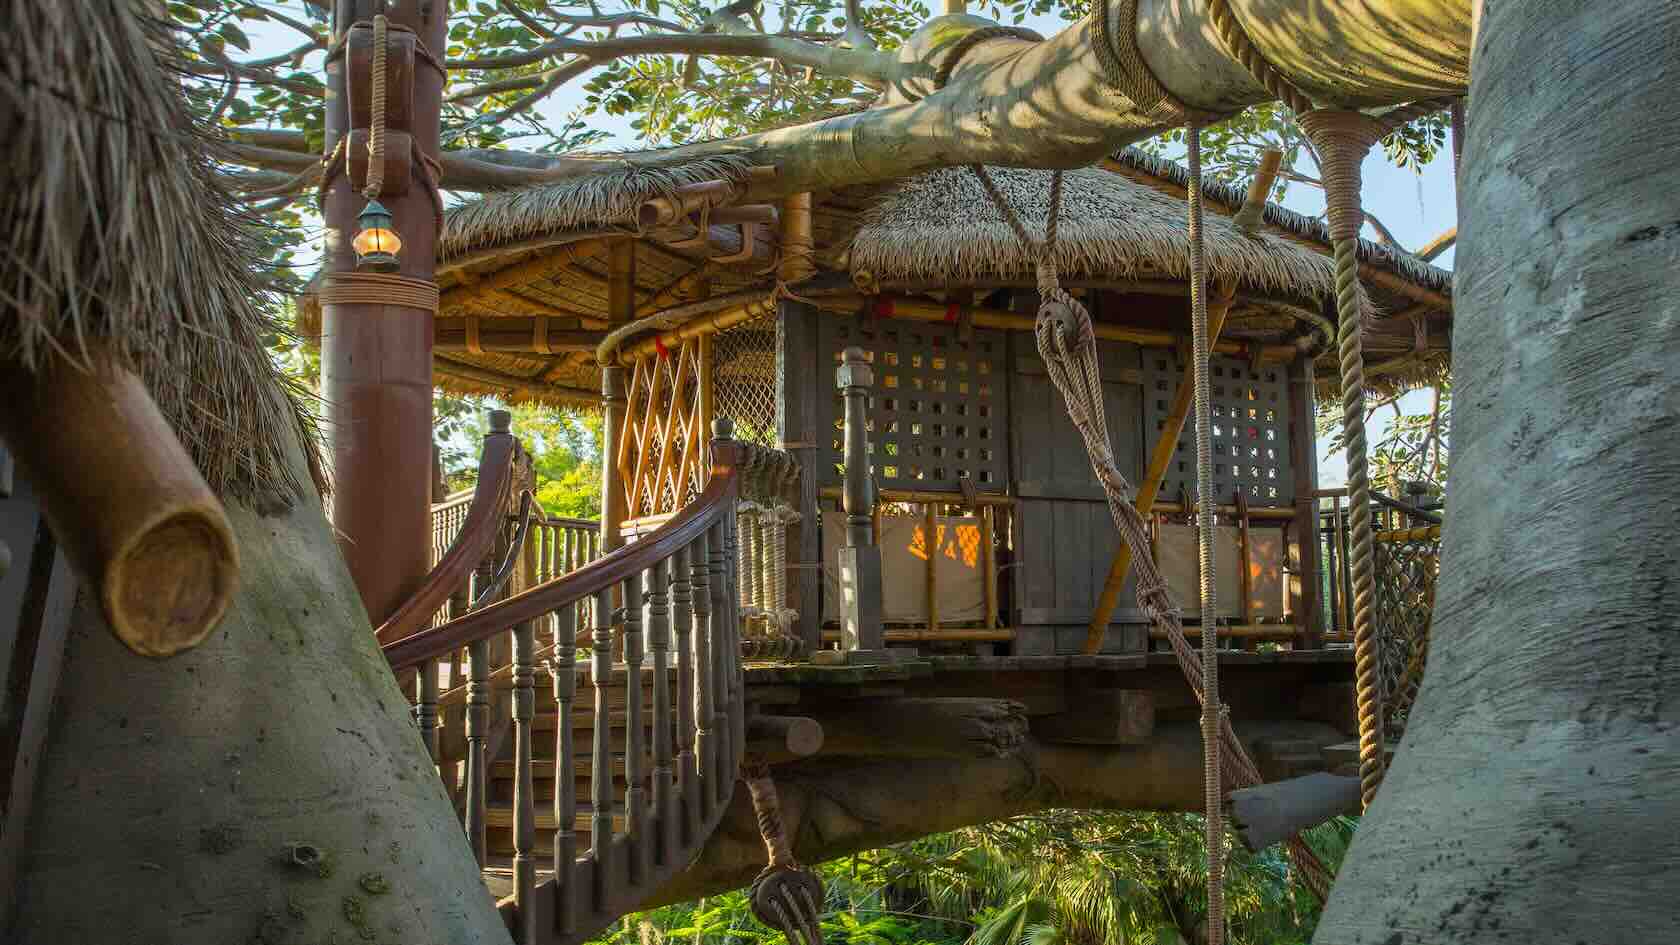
pixel 951 312
pixel 883 308
pixel 659 346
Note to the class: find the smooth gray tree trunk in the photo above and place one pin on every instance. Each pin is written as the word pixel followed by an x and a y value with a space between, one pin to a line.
pixel 175 793
pixel 1536 795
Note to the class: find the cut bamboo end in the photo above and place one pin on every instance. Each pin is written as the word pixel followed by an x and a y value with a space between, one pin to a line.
pixel 128 506
pixel 169 587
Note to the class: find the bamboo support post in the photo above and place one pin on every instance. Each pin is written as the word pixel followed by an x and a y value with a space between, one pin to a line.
pixel 930 529
pixel 125 501
pixel 1160 459
pixel 988 562
pixel 1246 580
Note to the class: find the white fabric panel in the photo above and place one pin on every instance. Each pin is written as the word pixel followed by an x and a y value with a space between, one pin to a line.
pixel 1178 554
pixel 961 590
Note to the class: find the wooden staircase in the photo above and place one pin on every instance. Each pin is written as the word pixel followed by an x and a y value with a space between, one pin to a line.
pixel 611 761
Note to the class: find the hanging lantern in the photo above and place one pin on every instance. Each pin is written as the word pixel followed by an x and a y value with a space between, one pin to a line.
pixel 376 242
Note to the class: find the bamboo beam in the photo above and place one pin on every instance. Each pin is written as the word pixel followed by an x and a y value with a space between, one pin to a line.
pixel 125 501
pixel 512 383
pixel 915 310
pixel 482 287
pixel 700 326
pixel 796 238
pixel 922 495
pixel 1263 631
pixel 948 635
pixel 512 336
pixel 1267 515
pixel 1160 458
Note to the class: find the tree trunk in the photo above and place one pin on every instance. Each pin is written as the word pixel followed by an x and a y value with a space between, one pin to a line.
pixel 835 806
pixel 1531 795
pixel 265 787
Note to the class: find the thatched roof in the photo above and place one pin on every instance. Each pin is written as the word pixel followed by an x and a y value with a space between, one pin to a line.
pixel 1403 264
pixel 606 200
pixel 942 226
pixel 115 231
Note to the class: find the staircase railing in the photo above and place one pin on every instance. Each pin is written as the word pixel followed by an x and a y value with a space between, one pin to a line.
pixel 670 711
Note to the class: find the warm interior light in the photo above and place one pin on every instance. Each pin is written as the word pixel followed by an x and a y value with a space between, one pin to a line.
pixel 376 242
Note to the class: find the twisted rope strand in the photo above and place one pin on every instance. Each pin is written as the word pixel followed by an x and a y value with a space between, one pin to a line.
pixel 1212 710
pixel 376 135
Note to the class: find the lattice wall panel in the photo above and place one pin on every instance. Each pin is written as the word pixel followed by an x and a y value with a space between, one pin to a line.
pixel 744 378
pixel 661 457
pixel 1250 429
pixel 938 411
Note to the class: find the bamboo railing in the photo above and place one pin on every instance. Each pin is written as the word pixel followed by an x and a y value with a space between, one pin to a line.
pixel 655 686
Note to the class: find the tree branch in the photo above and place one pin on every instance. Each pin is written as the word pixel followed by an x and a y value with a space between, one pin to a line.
pixel 864 65
pixel 1440 244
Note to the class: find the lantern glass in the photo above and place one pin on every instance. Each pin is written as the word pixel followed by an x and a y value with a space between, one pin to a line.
pixel 376 242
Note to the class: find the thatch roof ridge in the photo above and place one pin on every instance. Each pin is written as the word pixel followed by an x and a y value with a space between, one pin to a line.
pixel 117 233
pixel 941 225
pixel 1401 263
pixel 609 198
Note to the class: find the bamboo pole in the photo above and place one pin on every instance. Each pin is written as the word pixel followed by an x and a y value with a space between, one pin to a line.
pixel 930 534
pixel 1160 458
pixel 988 562
pixel 949 635
pixel 923 495
pixel 1246 580
pixel 125 501
pixel 1263 631
pixel 914 310
pixel 494 285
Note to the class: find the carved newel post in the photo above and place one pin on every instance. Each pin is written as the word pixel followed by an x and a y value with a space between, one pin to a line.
pixel 860 559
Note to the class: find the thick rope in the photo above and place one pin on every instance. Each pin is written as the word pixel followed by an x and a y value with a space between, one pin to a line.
pixel 376 136
pixel 966 44
pixel 378 288
pixel 1208 505
pixel 1067 343
pixel 1237 43
pixel 1343 138
pixel 1123 64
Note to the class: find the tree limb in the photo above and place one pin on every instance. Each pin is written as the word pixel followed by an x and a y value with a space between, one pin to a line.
pixel 1440 244
pixel 859 64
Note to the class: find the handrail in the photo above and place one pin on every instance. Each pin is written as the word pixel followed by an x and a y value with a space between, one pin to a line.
pixel 598 575
pixel 477 535
pixel 530 512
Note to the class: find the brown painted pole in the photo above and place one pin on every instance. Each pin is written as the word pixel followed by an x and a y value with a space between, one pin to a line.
pixel 621 307
pixel 376 359
pixel 124 500
pixel 1309 603
pixel 1159 459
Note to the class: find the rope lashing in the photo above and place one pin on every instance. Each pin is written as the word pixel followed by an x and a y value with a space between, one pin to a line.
pixel 378 288
pixel 1207 508
pixel 1067 343
pixel 785 896
pixel 1123 64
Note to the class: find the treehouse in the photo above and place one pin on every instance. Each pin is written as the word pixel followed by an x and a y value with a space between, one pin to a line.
pixel 987 514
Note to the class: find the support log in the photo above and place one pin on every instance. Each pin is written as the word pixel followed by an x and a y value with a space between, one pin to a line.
pixel 922 728
pixel 1269 813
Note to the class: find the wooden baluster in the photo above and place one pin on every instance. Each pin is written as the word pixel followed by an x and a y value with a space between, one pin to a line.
pixel 564 668
pixel 738 685
pixel 524 788
pixel 659 642
pixel 600 772
pixel 478 730
pixel 705 748
pixel 635 739
pixel 682 615
pixel 723 609
pixel 426 709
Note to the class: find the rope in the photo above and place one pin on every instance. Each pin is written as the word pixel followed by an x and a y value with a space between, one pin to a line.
pixel 1123 63
pixel 376 136
pixel 1067 343
pixel 1343 138
pixel 1237 43
pixel 378 288
pixel 1208 503
pixel 966 44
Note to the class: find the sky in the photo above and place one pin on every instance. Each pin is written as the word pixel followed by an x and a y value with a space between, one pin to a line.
pixel 1414 206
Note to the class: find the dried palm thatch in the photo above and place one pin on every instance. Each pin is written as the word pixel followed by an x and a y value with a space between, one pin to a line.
pixel 1403 264
pixel 606 199
pixel 115 231
pixel 942 226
